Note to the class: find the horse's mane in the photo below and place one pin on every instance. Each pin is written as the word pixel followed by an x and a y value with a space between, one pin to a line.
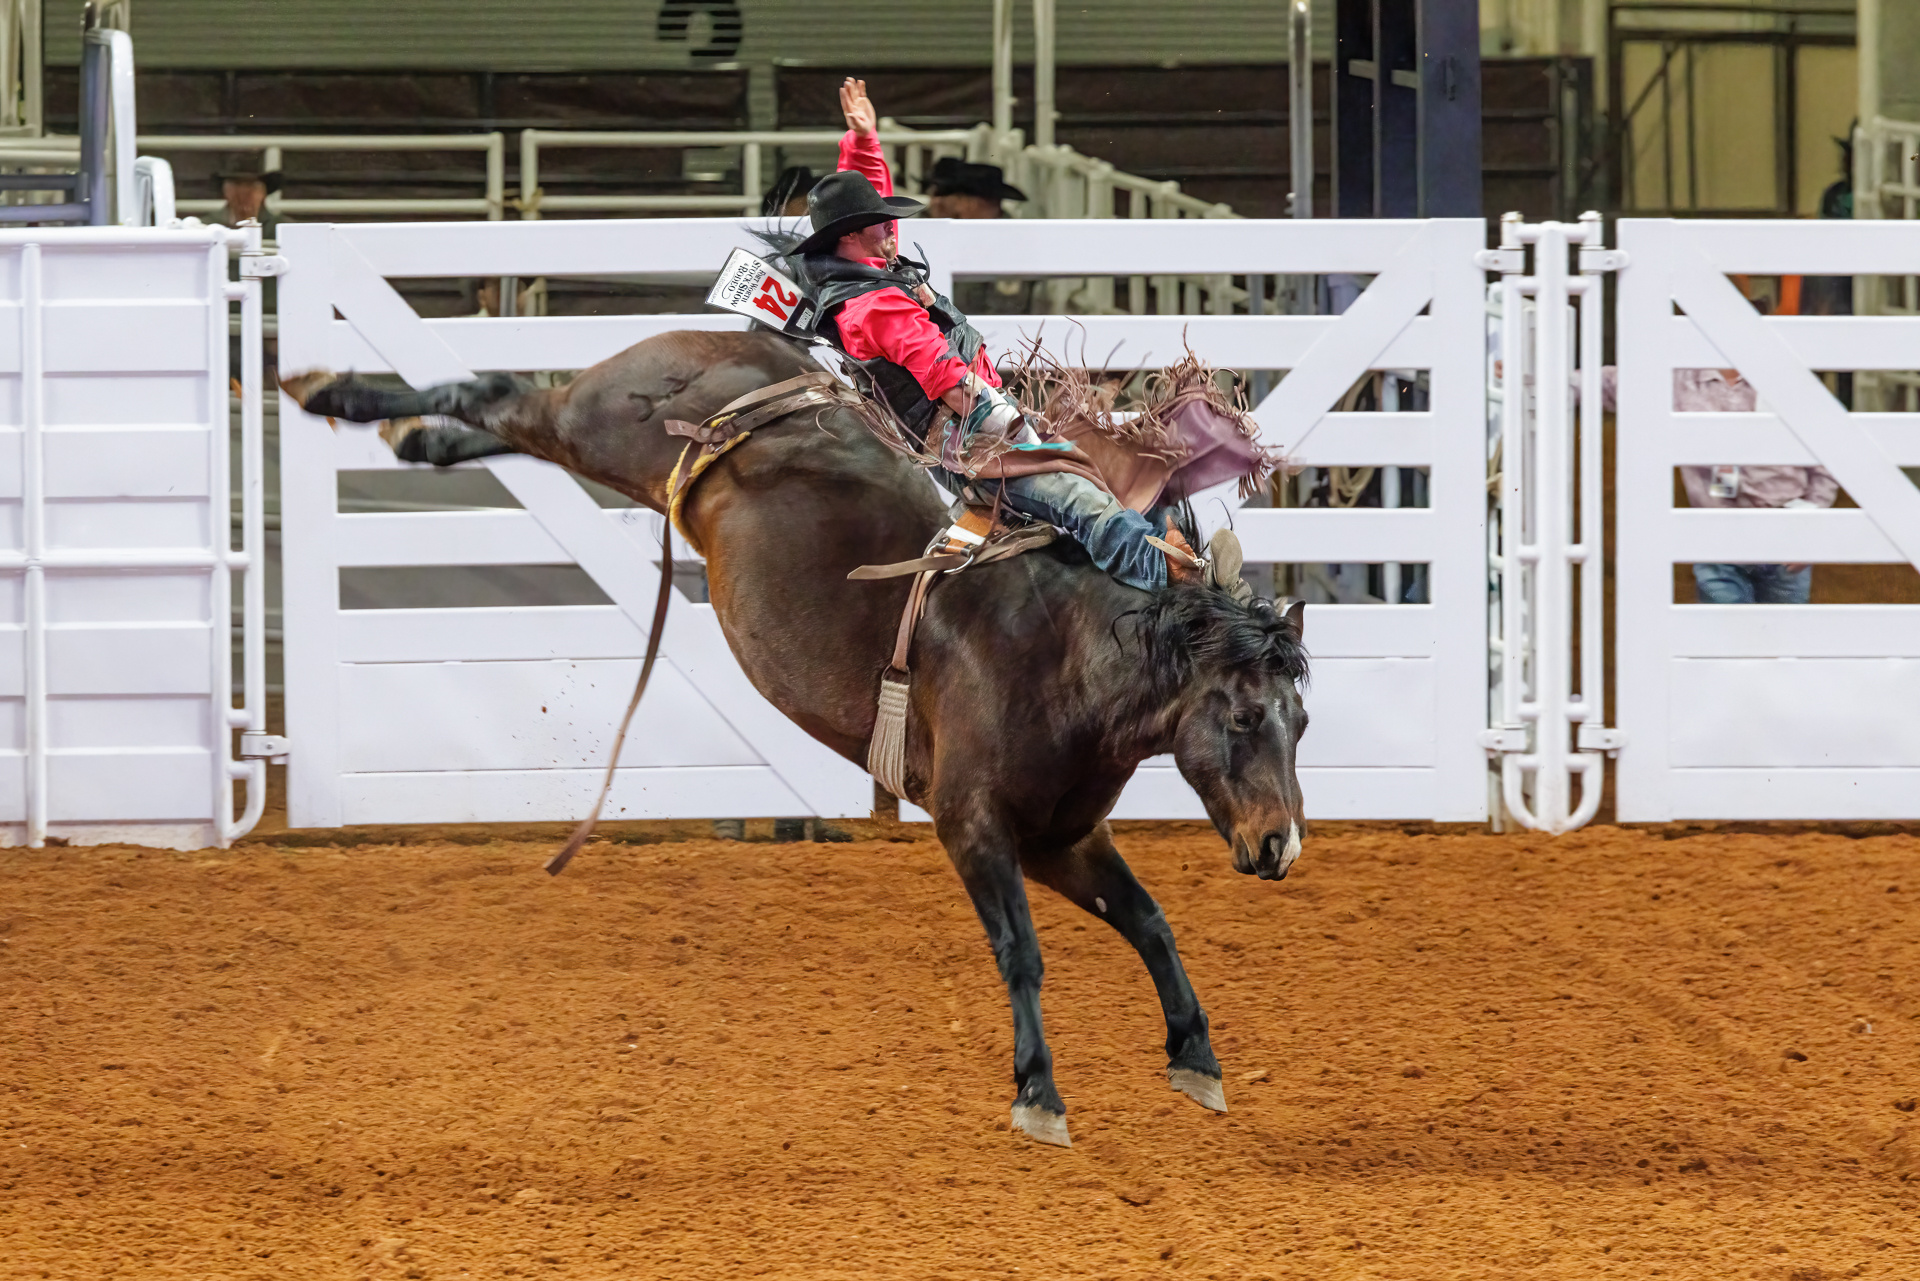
pixel 1187 626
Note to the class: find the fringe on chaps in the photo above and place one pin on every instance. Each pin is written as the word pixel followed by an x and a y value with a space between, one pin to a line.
pixel 887 753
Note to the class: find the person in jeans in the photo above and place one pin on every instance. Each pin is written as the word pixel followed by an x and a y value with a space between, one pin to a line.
pixel 1725 391
pixel 924 356
pixel 1729 485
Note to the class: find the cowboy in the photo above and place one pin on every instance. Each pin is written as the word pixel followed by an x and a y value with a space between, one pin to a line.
pixel 243 195
pixel 959 188
pixel 923 356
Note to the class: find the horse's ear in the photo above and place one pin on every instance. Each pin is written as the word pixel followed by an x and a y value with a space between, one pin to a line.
pixel 1296 617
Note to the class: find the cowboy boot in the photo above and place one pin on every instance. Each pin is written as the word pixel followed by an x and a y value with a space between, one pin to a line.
pixel 1224 559
pixel 1184 565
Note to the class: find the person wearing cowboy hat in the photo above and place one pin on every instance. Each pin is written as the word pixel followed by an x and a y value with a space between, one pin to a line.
pixel 924 357
pixel 245 192
pixel 959 188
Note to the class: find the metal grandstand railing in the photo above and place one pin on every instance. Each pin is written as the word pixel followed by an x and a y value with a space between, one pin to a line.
pixel 1059 181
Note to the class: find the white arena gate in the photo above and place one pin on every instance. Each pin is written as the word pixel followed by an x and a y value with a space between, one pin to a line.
pixel 506 713
pixel 1762 711
pixel 116 570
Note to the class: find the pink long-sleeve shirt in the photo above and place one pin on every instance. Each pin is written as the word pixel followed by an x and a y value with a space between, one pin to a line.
pixel 1710 391
pixel 887 322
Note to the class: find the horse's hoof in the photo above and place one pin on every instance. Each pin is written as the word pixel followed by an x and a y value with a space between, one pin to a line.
pixel 1038 1123
pixel 396 430
pixel 1202 1089
pixel 302 386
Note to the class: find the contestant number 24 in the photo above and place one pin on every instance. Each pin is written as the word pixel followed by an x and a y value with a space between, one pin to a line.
pixel 775 300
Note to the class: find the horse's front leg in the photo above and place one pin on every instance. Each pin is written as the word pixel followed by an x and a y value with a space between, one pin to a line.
pixel 985 858
pixel 1093 875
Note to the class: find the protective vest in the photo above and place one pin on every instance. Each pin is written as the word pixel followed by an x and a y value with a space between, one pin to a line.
pixel 835 281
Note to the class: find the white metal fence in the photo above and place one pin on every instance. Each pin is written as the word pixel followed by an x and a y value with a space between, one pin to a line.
pixel 118 567
pixel 1762 711
pixel 435 714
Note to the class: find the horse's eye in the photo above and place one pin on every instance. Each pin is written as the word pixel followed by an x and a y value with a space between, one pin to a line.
pixel 1245 719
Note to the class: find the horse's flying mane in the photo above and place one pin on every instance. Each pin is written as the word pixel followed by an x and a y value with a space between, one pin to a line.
pixel 1187 626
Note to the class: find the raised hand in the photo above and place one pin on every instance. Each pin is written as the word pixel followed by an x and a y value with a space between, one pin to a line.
pixel 857 107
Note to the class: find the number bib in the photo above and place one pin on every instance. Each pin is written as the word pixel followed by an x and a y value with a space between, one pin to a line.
pixel 751 288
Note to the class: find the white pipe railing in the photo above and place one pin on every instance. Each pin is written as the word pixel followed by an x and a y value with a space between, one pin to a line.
pixel 53 151
pixel 153 185
pixel 250 717
pixel 916 148
pixel 1061 182
pixel 1545 733
pixel 126 206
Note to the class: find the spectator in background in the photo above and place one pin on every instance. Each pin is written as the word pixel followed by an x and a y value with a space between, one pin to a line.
pixel 1833 295
pixel 961 189
pixel 245 192
pixel 1724 391
pixel 787 197
pixel 485 298
pixel 1732 485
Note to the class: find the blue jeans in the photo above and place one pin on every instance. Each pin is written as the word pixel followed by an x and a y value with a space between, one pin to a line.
pixel 1115 536
pixel 1752 584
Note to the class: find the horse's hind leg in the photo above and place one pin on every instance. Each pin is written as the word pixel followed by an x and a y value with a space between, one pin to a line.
pixel 991 872
pixel 344 396
pixel 1093 875
pixel 504 414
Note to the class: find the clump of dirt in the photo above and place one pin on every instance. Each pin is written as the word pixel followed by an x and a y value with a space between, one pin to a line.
pixel 1447 1055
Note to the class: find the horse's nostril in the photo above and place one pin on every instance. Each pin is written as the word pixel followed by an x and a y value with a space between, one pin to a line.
pixel 1270 849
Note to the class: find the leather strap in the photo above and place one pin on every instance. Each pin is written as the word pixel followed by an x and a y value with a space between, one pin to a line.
pixel 575 843
pixel 763 405
pixel 901 568
pixel 909 617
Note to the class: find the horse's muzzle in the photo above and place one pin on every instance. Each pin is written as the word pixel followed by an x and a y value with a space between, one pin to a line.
pixel 1278 851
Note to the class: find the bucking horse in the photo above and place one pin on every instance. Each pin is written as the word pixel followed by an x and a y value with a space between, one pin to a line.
pixel 1040 683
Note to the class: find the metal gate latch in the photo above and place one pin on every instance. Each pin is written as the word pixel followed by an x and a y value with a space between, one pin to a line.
pixel 260 266
pixel 267 747
pixel 1504 738
pixel 1599 738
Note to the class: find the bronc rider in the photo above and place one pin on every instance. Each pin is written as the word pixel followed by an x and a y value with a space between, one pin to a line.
pixel 924 357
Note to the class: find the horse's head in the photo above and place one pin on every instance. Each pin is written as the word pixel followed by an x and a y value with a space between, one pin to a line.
pixel 1230 675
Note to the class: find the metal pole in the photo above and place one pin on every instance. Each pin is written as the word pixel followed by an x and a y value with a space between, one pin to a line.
pixel 1300 106
pixel 529 174
pixel 33 514
pixel 1002 71
pixel 1043 112
pixel 93 132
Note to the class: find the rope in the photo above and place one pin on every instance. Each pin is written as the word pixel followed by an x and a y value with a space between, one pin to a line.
pixel 679 492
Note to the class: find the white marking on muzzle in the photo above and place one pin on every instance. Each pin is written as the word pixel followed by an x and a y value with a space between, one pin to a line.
pixel 1292 851
pixel 1101 904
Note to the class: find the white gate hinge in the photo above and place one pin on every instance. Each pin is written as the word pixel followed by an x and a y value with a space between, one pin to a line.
pixel 1504 738
pixel 1505 261
pixel 267 747
pixel 1592 260
pixel 260 266
pixel 1599 738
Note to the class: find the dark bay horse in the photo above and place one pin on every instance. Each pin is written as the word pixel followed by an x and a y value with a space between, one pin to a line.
pixel 1039 682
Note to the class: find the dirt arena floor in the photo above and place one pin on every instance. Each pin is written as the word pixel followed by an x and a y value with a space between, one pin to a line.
pixel 1625 1053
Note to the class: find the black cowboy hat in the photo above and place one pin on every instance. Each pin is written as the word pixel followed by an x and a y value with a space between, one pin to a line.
pixel 794 180
pixel 270 179
pixel 844 202
pixel 953 176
